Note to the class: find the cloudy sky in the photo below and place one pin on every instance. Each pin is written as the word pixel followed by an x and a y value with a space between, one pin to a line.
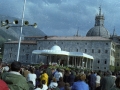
pixel 64 17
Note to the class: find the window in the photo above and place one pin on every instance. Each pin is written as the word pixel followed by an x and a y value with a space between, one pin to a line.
pixel 10 54
pixel 11 48
pixel 106 43
pixel 98 67
pixel 92 50
pixel 77 50
pixel 98 61
pixel 105 62
pixel 104 67
pixel 85 50
pixel 27 56
pixel 99 51
pixel 106 51
pixel 117 64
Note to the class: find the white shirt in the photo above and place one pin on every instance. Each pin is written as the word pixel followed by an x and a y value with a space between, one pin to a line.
pixel 57 75
pixel 98 79
pixel 53 85
pixel 45 87
pixel 38 89
pixel 32 77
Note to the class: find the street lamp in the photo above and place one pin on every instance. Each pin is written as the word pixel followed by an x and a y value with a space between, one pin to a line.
pixel 6 24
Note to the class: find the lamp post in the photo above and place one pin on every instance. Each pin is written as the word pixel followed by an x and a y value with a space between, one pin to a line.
pixel 24 23
pixel 21 28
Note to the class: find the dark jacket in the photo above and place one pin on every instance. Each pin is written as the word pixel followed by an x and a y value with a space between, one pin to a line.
pixel 107 82
pixel 92 80
pixel 15 81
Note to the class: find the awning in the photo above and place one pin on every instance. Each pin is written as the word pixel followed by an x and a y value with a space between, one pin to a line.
pixel 58 52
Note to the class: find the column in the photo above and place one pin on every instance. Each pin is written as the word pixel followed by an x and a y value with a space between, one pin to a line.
pixel 75 61
pixel 86 62
pixel 68 61
pixel 90 64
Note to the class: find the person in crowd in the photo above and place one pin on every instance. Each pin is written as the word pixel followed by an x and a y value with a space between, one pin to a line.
pixel 67 86
pixel 37 71
pixel 98 78
pixel 107 82
pixel 3 85
pixel 31 86
pixel 92 80
pixel 117 83
pixel 32 76
pixel 50 74
pixel 53 83
pixel 66 76
pixel 61 83
pixel 58 74
pixel 14 79
pixel 26 72
pixel 45 87
pixel 114 75
pixel 71 78
pixel 44 76
pixel 39 86
pixel 80 84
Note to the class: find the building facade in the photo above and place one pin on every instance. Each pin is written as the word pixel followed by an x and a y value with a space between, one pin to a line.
pixel 97 43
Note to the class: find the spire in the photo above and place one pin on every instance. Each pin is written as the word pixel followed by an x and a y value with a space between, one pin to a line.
pixel 77 32
pixel 100 10
pixel 114 32
pixel 99 19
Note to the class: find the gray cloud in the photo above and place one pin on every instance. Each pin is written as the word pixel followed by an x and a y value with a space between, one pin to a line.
pixel 63 17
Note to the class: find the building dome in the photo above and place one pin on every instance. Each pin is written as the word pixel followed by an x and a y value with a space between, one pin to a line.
pixel 56 48
pixel 98 31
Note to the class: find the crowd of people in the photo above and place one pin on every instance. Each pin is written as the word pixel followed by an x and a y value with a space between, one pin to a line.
pixel 18 77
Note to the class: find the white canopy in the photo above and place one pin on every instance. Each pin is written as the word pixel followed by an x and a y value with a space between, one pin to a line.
pixel 56 50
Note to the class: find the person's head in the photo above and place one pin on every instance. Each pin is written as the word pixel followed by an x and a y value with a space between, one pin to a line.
pixel 16 66
pixel 43 81
pixel 67 86
pixel 44 71
pixel 40 85
pixel 54 79
pixel 98 73
pixel 82 76
pixel 117 82
pixel 108 73
pixel 32 70
pixel 61 79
